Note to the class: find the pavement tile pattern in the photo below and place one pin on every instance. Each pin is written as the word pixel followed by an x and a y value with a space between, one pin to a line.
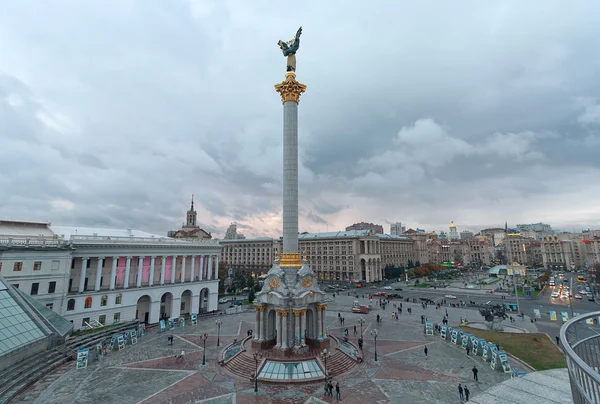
pixel 149 371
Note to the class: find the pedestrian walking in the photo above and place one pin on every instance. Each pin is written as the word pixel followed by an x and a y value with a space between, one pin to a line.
pixel 475 371
pixel 468 350
pixel 182 355
pixel 557 340
pixel 467 392
pixel 460 391
pixel 425 350
pixel 326 388
pixel 355 330
pixel 330 386
pixel 338 396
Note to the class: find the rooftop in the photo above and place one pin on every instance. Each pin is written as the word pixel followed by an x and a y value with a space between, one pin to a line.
pixel 68 232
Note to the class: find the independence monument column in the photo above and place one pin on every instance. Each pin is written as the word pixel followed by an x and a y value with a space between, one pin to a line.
pixel 290 91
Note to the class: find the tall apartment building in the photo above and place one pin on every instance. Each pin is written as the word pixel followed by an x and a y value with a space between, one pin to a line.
pixel 345 256
pixel 592 251
pixel 515 249
pixel 421 251
pixel 538 230
pixel 374 228
pixel 232 234
pixel 95 275
pixel 564 251
pixel 247 256
pixel 396 229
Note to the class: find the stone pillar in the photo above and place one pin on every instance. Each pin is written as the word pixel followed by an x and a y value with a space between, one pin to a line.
pixel 151 271
pixel 175 308
pixel 98 273
pixel 216 267
pixel 209 270
pixel 127 273
pixel 192 269
pixel 195 308
pixel 264 324
pixel 284 327
pixel 154 316
pixel 163 266
pixel 300 322
pixel 278 328
pixel 201 268
pixel 138 282
pixel 183 269
pixel 297 329
pixel 258 333
pixel 113 273
pixel 173 268
pixel 82 275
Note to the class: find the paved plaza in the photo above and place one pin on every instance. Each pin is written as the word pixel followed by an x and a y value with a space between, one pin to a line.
pixel 149 372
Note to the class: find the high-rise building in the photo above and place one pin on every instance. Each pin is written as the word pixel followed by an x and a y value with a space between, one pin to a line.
pixel 374 228
pixel 466 235
pixel 396 229
pixel 232 234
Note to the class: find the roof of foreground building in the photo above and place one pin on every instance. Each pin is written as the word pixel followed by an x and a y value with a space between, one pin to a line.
pixel 24 321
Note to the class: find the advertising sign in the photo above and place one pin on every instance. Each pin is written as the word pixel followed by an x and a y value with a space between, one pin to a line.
pixel 171 324
pixel 428 328
pixel 181 322
pixel 133 334
pixel 121 342
pixel 162 325
pixel 565 316
pixel 552 315
pixel 536 313
pixel 142 330
pixel 194 319
pixel 82 358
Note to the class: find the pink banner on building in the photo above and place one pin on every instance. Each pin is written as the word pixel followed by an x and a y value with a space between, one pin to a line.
pixel 121 261
pixel 146 270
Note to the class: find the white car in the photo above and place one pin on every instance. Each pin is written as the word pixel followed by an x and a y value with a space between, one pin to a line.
pixel 583 292
pixel 387 288
pixel 554 294
pixel 577 296
pixel 450 297
pixel 223 300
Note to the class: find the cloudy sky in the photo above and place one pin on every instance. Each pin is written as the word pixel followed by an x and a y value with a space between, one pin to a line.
pixel 112 113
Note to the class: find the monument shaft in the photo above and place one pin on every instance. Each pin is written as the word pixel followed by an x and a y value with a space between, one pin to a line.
pixel 290 178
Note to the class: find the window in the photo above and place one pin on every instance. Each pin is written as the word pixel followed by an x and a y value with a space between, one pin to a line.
pixel 182 306
pixel 118 298
pixel 88 303
pixel 37 266
pixel 52 287
pixel 102 319
pixel 34 288
pixel 15 285
pixel 50 305
pixel 116 317
pixel 18 266
pixel 85 321
pixel 103 300
pixel 71 305
pixel 55 265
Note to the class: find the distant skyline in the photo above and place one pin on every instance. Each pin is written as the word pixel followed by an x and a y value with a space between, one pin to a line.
pixel 113 113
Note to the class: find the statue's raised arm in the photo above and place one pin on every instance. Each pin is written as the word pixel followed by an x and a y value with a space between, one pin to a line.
pixel 289 49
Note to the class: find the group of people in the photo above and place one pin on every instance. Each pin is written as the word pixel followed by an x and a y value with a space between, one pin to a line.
pixel 329 389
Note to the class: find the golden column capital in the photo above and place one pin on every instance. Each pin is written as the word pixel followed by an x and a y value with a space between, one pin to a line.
pixel 290 89
pixel 321 307
pixel 298 313
pixel 260 308
pixel 282 313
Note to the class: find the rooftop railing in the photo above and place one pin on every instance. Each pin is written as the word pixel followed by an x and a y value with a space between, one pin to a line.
pixel 582 349
pixel 140 240
pixel 49 242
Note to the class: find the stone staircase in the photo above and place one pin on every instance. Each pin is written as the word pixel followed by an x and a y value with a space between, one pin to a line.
pixel 242 366
pixel 339 363
pixel 18 377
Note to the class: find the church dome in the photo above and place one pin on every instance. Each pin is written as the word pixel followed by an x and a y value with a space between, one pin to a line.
pixel 452 225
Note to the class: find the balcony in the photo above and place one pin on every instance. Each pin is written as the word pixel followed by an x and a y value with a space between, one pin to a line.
pixel 582 350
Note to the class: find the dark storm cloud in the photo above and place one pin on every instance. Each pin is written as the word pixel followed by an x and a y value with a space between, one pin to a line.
pixel 494 117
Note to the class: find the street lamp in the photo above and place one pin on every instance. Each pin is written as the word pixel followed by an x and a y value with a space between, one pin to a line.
pixel 219 322
pixel 374 335
pixel 204 338
pixel 324 356
pixel 257 357
pixel 361 322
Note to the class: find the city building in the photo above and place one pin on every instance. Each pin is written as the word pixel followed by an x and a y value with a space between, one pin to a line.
pixel 396 229
pixel 420 249
pixel 592 251
pixel 466 235
pixel 564 251
pixel 515 249
pixel 538 230
pixel 232 234
pixel 190 230
pixel 95 276
pixel 248 256
pixel 374 228
pixel 453 233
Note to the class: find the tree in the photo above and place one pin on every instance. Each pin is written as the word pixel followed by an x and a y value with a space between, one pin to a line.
pixel 222 276
pixel 410 264
pixel 251 295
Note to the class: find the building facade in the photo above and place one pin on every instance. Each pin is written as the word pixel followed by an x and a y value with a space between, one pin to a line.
pixel 248 256
pixel 453 233
pixel 563 251
pixel 104 276
pixel 396 229
pixel 232 234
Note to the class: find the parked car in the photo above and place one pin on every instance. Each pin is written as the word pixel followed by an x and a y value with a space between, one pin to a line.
pixel 398 289
pixel 450 297
pixel 223 300
pixel 387 287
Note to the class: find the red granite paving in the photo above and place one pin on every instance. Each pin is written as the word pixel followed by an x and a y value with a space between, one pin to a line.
pixel 395 370
pixel 387 347
pixel 34 391
pixel 172 363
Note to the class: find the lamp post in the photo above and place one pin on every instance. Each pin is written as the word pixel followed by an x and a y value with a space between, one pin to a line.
pixel 324 356
pixel 204 338
pixel 219 322
pixel 361 322
pixel 374 335
pixel 257 357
